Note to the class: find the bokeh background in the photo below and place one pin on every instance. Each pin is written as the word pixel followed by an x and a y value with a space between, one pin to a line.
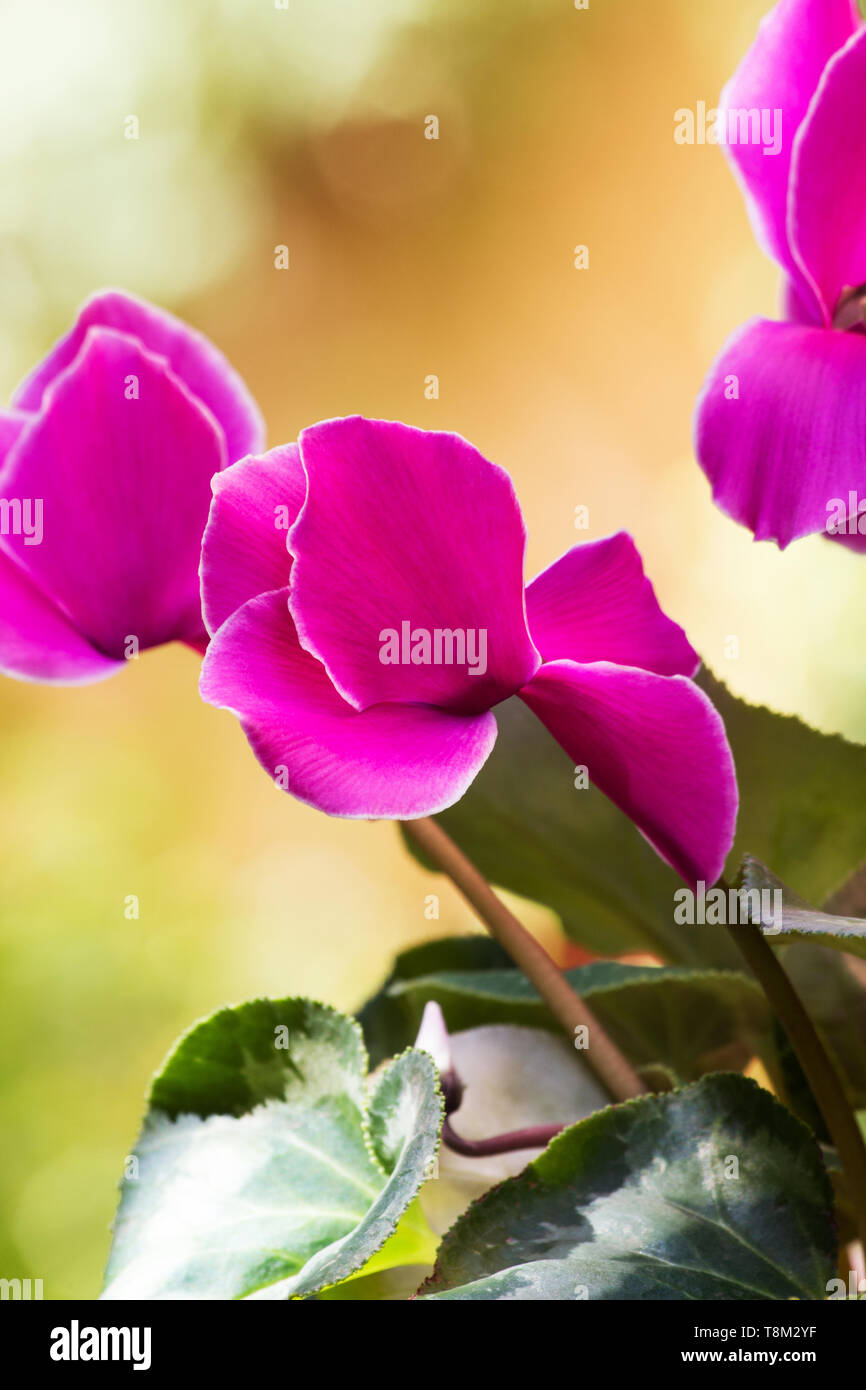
pixel 261 126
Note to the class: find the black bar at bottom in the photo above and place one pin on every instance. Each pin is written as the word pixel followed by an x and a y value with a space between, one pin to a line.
pixel 85 1339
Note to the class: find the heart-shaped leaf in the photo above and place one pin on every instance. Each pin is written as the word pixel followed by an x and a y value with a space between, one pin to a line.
pixel 712 1192
pixel 268 1167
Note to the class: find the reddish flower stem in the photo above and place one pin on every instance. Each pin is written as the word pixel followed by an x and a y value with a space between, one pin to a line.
pixel 537 1137
pixel 613 1070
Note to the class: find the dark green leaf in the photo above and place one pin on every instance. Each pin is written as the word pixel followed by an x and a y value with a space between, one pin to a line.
pixel 802 807
pixel 713 1192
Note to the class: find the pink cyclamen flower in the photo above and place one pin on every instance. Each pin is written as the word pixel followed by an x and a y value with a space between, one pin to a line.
pixel 105 466
pixel 781 422
pixel 363 652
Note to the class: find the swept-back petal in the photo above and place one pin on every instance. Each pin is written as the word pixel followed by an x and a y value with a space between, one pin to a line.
pixel 121 459
pixel 244 551
pixel 404 531
pixel 391 760
pixel 827 212
pixel 656 746
pixel 596 604
pixel 780 72
pixel 191 356
pixel 780 426
pixel 37 642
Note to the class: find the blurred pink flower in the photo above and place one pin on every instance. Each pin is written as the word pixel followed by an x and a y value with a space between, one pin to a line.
pixel 780 425
pixel 110 447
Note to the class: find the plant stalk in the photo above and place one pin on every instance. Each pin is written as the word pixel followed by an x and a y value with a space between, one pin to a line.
pixel 820 1072
pixel 613 1070
pixel 536 1138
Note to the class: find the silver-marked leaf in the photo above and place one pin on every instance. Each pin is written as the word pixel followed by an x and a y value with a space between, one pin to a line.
pixel 268 1166
pixel 712 1192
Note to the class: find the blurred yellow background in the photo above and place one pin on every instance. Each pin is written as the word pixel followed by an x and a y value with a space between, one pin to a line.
pixel 304 126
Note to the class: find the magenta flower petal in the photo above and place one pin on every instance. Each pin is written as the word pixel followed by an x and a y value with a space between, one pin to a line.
pixel 781 71
pixel 191 356
pixel 793 438
pixel 653 744
pixel 397 761
pixel 125 484
pixel 36 641
pixel 404 529
pixel 596 604
pixel 244 550
pixel 798 304
pixel 405 526
pixel 827 219
pixel 853 541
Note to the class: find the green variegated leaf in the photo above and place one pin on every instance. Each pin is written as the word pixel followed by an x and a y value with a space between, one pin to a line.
pixel 395 1271
pixel 268 1166
pixel 712 1192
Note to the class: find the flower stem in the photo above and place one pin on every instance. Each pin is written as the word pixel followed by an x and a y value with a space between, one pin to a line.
pixel 536 1138
pixel 820 1072
pixel 613 1070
